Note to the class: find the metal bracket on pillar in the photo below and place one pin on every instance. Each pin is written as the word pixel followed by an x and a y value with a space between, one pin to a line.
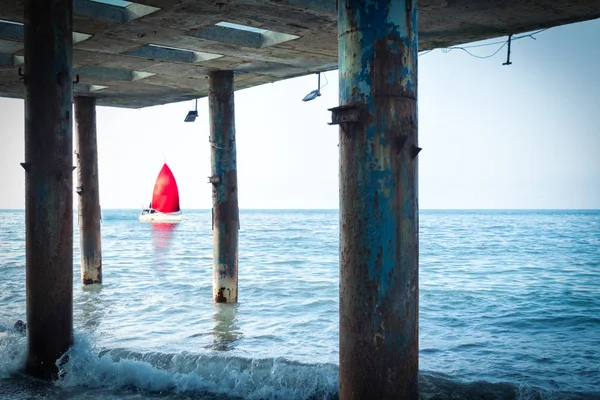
pixel 60 175
pixel 214 179
pixel 400 141
pixel 79 189
pixel 352 113
pixel 27 167
pixel 415 151
pixel 22 76
pixel 76 81
pixel 214 144
pixel 347 115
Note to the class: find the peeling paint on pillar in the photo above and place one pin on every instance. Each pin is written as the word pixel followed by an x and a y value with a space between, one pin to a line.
pixel 88 191
pixel 224 189
pixel 48 183
pixel 378 199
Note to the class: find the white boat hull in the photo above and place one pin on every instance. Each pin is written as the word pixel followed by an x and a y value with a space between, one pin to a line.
pixel 155 216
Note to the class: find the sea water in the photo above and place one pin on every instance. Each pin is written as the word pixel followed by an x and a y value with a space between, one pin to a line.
pixel 509 309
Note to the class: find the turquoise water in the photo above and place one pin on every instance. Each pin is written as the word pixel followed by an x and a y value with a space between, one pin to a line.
pixel 509 309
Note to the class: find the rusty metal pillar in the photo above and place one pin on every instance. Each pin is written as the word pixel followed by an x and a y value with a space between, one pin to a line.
pixel 87 190
pixel 225 212
pixel 378 199
pixel 48 182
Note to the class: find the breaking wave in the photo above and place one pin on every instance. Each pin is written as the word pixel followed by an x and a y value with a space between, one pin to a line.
pixel 120 373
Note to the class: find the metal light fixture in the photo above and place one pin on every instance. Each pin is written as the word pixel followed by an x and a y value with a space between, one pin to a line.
pixel 315 93
pixel 192 115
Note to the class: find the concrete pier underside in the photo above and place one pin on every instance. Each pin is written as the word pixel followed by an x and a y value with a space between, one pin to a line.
pixel 161 51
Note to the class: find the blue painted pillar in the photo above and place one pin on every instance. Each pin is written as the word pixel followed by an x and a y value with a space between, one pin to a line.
pixel 377 115
pixel 48 182
pixel 224 191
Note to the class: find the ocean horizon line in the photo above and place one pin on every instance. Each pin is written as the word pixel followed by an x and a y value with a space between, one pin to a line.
pixel 337 209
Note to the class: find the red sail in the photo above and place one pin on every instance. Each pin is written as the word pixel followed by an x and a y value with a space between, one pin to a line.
pixel 166 195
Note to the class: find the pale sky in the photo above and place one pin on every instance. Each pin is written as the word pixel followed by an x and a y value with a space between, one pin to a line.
pixel 493 136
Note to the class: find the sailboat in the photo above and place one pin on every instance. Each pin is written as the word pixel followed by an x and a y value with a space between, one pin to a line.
pixel 165 199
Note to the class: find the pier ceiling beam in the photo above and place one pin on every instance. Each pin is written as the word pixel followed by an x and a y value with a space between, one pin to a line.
pixel 141 54
pixel 48 168
pixel 379 292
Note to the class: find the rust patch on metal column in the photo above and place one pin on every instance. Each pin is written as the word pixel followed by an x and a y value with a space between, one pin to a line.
pixel 220 298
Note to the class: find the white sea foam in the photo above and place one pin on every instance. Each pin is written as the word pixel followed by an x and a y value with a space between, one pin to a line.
pixel 185 372
pixel 13 347
pixel 118 374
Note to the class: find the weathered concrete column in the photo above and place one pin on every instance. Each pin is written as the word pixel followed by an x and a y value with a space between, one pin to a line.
pixel 87 189
pixel 48 182
pixel 224 191
pixel 378 199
